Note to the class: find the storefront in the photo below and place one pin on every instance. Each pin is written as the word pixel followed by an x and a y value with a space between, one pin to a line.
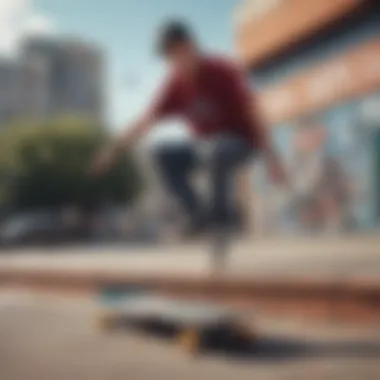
pixel 320 93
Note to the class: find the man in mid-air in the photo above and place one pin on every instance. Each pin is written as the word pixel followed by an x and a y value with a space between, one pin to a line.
pixel 214 97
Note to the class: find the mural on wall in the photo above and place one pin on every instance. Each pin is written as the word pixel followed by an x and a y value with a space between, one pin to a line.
pixel 322 187
pixel 329 160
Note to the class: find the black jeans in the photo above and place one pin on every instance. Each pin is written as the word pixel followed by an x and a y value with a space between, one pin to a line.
pixel 220 158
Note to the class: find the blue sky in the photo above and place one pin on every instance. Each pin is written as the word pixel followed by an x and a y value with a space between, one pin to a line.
pixel 125 30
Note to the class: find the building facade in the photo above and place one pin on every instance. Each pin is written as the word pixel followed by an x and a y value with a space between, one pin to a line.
pixel 71 76
pixel 316 68
pixel 9 78
pixel 52 78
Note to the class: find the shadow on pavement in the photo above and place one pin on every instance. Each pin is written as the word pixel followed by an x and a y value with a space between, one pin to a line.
pixel 265 348
pixel 288 349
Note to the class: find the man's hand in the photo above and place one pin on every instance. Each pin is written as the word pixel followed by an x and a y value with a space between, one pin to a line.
pixel 106 157
pixel 277 171
pixel 103 161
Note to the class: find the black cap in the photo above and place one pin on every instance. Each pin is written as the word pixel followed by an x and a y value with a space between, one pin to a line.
pixel 172 33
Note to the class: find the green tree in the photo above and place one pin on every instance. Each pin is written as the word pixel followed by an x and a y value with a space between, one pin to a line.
pixel 47 165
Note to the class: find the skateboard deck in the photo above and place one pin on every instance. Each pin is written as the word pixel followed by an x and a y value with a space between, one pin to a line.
pixel 193 324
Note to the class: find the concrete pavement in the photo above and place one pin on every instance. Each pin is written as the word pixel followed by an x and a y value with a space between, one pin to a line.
pixel 50 337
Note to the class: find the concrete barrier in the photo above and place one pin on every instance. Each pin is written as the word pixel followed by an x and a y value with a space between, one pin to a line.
pixel 355 301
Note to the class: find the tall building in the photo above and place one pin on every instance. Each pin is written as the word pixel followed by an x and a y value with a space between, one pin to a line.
pixel 68 76
pixel 52 78
pixel 81 78
pixel 34 89
pixel 316 67
pixel 9 80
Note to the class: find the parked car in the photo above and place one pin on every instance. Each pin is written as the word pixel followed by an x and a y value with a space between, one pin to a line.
pixel 34 229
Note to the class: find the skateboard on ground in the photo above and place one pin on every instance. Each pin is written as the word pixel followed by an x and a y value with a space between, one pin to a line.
pixel 194 326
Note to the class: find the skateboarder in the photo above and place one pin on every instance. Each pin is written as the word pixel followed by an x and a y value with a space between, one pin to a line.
pixel 214 96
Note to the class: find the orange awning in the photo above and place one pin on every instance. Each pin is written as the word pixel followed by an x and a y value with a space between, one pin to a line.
pixel 286 22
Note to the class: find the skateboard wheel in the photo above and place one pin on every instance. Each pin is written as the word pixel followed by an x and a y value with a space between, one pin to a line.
pixel 190 340
pixel 106 321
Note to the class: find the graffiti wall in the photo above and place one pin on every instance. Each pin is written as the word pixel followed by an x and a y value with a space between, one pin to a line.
pixel 331 160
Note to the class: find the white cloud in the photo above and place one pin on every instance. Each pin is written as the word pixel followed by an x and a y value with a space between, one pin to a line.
pixel 18 19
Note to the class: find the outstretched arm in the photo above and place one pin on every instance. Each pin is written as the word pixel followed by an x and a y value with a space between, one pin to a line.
pixel 243 91
pixel 272 160
pixel 165 105
pixel 129 137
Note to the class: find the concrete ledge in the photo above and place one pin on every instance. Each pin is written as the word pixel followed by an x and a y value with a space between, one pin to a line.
pixel 352 300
